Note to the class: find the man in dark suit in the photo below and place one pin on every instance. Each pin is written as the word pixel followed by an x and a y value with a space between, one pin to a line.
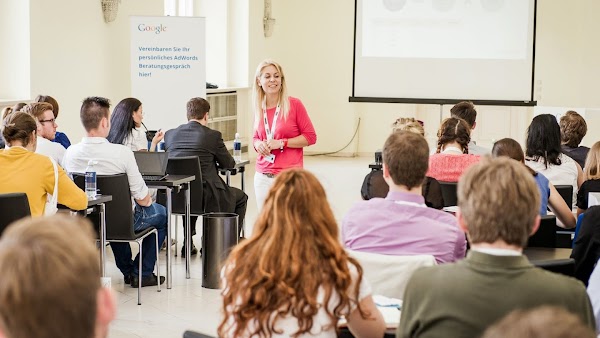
pixel 196 139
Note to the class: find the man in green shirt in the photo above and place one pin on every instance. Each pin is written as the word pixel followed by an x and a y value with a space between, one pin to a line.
pixel 498 201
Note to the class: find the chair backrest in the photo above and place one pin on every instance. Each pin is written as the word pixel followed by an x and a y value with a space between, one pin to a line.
pixel 119 211
pixel 389 274
pixel 562 266
pixel 192 334
pixel 566 192
pixel 13 206
pixel 449 193
pixel 545 236
pixel 188 165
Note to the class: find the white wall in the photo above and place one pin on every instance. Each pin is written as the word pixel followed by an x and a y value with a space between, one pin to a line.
pixel 313 40
pixel 76 54
pixel 14 39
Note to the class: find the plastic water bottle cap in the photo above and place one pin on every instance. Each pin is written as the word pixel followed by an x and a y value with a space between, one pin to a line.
pixel 92 162
pixel 237 135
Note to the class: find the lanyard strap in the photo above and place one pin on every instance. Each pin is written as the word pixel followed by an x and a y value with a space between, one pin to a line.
pixel 412 204
pixel 270 131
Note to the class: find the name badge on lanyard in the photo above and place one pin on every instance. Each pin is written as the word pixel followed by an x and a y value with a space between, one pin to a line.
pixel 270 132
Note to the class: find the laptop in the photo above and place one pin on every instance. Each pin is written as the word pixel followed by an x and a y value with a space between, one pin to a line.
pixel 152 164
pixel 593 199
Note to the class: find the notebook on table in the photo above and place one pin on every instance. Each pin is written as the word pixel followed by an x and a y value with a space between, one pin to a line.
pixel 152 164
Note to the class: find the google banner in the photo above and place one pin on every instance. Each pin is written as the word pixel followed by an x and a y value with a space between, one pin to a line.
pixel 168 67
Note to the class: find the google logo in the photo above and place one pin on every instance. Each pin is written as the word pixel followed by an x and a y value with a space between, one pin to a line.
pixel 156 29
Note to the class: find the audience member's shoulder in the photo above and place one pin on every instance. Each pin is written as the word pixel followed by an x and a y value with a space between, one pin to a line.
pixel 433 275
pixel 559 281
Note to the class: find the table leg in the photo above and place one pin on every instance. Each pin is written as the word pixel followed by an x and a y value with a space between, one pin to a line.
pixel 169 274
pixel 102 240
pixel 243 180
pixel 188 232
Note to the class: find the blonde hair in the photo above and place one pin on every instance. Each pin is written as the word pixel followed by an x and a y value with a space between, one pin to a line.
pixel 408 124
pixel 258 94
pixel 50 278
pixel 499 200
pixel 592 163
pixel 293 255
pixel 541 322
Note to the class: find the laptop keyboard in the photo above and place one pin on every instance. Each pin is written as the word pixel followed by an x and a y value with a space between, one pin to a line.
pixel 154 177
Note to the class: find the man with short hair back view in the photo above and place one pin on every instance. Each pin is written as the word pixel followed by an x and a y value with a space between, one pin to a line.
pixel 46 130
pixel 50 285
pixel 118 159
pixel 195 138
pixel 466 110
pixel 498 204
pixel 401 224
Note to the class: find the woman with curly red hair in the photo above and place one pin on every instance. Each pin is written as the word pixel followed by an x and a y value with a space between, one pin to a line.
pixel 292 278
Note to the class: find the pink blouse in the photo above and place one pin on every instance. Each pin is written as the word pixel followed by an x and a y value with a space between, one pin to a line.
pixel 448 167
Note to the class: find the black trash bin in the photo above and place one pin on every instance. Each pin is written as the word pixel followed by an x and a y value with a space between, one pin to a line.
pixel 219 235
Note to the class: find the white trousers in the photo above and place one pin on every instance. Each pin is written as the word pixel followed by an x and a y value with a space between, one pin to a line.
pixel 262 184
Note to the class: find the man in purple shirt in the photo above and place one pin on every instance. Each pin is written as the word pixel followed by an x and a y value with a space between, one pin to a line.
pixel 401 224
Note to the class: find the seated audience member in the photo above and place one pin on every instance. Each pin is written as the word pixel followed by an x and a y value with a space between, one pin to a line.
pixel 586 245
pixel 540 322
pixel 59 137
pixel 22 170
pixel 54 290
pixel 452 156
pixel 125 123
pixel 195 138
pixel 46 129
pixel 543 154
pixel 572 130
pixel 466 110
pixel 5 112
pixel 375 186
pixel 592 178
pixel 498 204
pixel 401 224
pixel 292 277
pixel 118 159
pixel 550 198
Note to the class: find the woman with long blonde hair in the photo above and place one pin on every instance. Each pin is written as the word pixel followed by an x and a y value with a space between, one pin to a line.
pixel 591 175
pixel 292 278
pixel 282 127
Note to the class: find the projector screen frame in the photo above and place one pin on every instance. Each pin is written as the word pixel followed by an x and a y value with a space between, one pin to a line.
pixel 442 101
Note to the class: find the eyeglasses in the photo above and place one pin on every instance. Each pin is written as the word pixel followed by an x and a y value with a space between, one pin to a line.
pixel 50 120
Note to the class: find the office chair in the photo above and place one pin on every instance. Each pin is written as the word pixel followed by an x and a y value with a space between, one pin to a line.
pixel 449 193
pixel 119 217
pixel 13 206
pixel 545 236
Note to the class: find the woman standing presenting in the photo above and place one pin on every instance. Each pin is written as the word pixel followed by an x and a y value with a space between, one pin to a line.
pixel 282 128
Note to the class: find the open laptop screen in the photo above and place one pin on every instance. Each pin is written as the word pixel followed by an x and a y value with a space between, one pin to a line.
pixel 151 163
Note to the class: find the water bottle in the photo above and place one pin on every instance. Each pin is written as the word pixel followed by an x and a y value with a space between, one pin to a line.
pixel 90 179
pixel 237 148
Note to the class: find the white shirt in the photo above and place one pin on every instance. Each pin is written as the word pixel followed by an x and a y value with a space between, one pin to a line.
pixel 593 291
pixel 51 149
pixel 136 140
pixel 563 174
pixel 477 150
pixel 321 323
pixel 112 159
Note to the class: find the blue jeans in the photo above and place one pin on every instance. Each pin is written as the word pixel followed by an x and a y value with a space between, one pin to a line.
pixel 155 216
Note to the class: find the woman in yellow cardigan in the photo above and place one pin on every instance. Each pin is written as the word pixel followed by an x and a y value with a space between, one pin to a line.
pixel 22 170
